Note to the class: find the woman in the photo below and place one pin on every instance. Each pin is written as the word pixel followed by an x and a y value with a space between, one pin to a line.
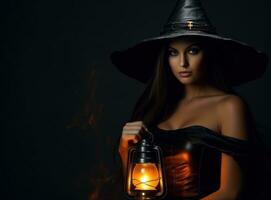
pixel 204 128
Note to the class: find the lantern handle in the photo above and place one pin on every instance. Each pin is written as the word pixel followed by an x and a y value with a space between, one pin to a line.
pixel 148 135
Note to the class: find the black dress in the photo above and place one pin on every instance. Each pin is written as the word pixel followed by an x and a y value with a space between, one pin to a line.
pixel 195 172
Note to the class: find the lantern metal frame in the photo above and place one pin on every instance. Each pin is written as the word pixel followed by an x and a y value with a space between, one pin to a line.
pixel 145 152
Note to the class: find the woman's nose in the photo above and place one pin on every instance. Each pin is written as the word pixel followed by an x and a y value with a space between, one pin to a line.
pixel 183 60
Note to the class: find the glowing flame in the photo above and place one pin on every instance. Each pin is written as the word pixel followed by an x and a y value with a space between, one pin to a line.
pixel 145 176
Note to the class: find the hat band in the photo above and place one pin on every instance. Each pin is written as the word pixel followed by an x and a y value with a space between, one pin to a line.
pixel 189 25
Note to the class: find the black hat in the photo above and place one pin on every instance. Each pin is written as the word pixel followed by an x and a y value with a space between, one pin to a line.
pixel 188 18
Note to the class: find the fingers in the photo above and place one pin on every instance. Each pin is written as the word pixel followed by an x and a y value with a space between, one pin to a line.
pixel 138 124
pixel 136 127
pixel 132 132
pixel 140 128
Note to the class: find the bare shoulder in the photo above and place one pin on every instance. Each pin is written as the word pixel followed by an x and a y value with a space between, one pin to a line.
pixel 232 104
pixel 232 114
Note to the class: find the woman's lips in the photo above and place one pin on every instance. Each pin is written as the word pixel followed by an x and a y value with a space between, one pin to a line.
pixel 185 74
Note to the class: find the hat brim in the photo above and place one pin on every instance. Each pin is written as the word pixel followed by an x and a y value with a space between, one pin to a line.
pixel 245 63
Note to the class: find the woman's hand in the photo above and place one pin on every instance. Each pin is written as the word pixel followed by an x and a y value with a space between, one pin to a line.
pixel 131 133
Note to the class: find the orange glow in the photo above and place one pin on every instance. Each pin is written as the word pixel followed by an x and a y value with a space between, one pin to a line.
pixel 185 156
pixel 145 176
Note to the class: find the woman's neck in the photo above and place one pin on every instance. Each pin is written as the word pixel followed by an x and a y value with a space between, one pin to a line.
pixel 192 91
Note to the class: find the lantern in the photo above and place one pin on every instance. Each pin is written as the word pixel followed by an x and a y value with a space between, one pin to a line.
pixel 145 174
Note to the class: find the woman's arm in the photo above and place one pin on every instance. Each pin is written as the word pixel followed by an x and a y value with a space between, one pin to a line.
pixel 123 151
pixel 233 122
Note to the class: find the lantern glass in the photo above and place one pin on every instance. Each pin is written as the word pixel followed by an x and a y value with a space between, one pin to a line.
pixel 145 176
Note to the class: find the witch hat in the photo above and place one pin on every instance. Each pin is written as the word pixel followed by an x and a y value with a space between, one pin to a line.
pixel 243 63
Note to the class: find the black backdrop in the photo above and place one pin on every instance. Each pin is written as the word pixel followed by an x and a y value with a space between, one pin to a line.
pixel 49 49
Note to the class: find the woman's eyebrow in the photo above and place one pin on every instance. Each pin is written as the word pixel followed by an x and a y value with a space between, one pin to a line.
pixel 170 47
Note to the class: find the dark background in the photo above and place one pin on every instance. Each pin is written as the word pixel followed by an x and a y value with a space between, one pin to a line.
pixel 49 49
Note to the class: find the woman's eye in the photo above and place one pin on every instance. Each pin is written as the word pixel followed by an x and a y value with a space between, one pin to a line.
pixel 194 50
pixel 171 53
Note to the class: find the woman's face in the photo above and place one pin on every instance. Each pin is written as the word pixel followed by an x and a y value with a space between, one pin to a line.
pixel 186 55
